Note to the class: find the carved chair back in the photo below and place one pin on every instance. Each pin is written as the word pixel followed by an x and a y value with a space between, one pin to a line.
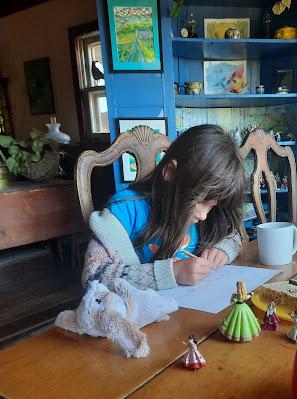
pixel 145 146
pixel 260 142
pixel 140 142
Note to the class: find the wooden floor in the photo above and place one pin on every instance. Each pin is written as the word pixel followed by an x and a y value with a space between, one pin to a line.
pixel 30 302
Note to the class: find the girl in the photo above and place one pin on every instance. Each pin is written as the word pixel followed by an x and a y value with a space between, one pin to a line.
pixel 191 201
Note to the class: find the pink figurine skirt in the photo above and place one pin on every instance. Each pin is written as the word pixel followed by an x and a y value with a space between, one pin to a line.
pixel 193 359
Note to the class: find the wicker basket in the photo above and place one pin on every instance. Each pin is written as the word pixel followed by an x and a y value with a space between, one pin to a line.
pixel 46 168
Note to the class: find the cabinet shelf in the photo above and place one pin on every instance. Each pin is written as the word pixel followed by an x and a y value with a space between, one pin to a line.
pixel 233 100
pixel 278 191
pixel 284 143
pixel 229 3
pixel 231 49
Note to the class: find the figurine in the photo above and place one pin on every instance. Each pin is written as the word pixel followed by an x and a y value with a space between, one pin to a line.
pixel 241 325
pixel 284 183
pixel 266 25
pixel 251 127
pixel 292 334
pixel 290 137
pixel 262 183
pixel 277 136
pixel 271 321
pixel 232 33
pixel 277 181
pixel 193 358
pixel 191 25
pixel 237 81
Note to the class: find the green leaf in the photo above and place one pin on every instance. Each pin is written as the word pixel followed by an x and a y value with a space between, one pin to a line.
pixel 13 166
pixel 178 5
pixel 6 141
pixel 34 134
pixel 13 150
pixel 35 157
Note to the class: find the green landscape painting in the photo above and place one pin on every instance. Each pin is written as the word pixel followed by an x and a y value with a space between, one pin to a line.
pixel 134 34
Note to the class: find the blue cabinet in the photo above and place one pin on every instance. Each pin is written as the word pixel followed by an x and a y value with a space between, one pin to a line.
pixel 135 94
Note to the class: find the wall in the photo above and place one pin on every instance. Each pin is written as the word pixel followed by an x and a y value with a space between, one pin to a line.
pixel 42 31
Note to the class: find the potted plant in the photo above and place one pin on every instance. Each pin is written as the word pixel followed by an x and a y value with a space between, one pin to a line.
pixel 35 158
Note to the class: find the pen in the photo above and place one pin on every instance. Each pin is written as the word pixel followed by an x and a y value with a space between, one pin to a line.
pixel 193 256
pixel 188 253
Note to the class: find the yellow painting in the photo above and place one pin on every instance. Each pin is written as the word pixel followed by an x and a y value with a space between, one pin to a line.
pixel 216 28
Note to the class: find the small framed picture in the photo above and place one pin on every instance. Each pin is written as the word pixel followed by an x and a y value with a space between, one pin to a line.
pixel 225 77
pixel 134 35
pixel 283 77
pixel 39 86
pixel 125 125
pixel 216 28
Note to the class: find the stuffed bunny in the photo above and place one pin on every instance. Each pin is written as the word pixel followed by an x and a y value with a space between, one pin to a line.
pixel 118 315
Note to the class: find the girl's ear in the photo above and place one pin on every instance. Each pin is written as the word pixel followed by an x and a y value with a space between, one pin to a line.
pixel 169 170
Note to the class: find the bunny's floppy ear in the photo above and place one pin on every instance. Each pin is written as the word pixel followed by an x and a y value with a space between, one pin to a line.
pixel 119 330
pixel 67 321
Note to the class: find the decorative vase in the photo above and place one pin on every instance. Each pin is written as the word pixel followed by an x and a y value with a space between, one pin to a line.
pixel 45 169
pixel 55 134
pixel 232 33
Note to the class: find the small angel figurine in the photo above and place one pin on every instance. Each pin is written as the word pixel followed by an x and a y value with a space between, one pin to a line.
pixel 271 321
pixel 241 324
pixel 193 359
pixel 292 334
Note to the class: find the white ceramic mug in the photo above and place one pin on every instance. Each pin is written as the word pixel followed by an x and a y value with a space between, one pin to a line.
pixel 277 242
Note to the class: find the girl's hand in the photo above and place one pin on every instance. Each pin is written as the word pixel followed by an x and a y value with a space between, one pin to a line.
pixel 189 271
pixel 217 257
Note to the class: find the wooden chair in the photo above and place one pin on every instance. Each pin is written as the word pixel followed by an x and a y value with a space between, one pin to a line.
pixel 141 142
pixel 146 145
pixel 260 142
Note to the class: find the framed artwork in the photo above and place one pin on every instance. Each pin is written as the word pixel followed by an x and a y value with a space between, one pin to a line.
pixel 225 77
pixel 216 28
pixel 39 86
pixel 134 35
pixel 129 166
pixel 283 77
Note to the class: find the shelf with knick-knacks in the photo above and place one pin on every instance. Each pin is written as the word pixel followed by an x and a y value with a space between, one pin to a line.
pixel 231 49
pixel 233 100
pixel 230 45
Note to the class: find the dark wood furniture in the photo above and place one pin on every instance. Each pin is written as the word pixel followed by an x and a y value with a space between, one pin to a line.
pixel 37 211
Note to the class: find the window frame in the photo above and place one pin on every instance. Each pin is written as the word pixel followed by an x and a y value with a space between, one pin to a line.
pixel 81 98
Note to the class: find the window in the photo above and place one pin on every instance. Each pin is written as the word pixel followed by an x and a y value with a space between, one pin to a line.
pixel 88 75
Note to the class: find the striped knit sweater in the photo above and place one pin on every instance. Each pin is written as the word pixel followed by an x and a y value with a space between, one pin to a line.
pixel 110 254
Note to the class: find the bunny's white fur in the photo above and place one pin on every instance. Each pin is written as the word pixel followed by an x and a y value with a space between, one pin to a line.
pixel 118 314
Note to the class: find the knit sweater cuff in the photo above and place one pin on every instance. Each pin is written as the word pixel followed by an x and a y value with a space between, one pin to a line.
pixel 231 245
pixel 164 275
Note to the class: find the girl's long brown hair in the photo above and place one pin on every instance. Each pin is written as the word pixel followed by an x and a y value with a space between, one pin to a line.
pixel 208 167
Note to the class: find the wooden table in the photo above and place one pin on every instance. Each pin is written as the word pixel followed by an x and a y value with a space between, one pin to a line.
pixel 60 364
pixel 37 211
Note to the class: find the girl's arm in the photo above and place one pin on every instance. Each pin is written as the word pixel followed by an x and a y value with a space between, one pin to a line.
pixel 111 254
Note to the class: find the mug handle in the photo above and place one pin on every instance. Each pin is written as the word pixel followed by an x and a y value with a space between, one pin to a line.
pixel 294 240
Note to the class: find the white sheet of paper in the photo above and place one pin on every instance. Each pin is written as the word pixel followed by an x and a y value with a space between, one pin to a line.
pixel 213 293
